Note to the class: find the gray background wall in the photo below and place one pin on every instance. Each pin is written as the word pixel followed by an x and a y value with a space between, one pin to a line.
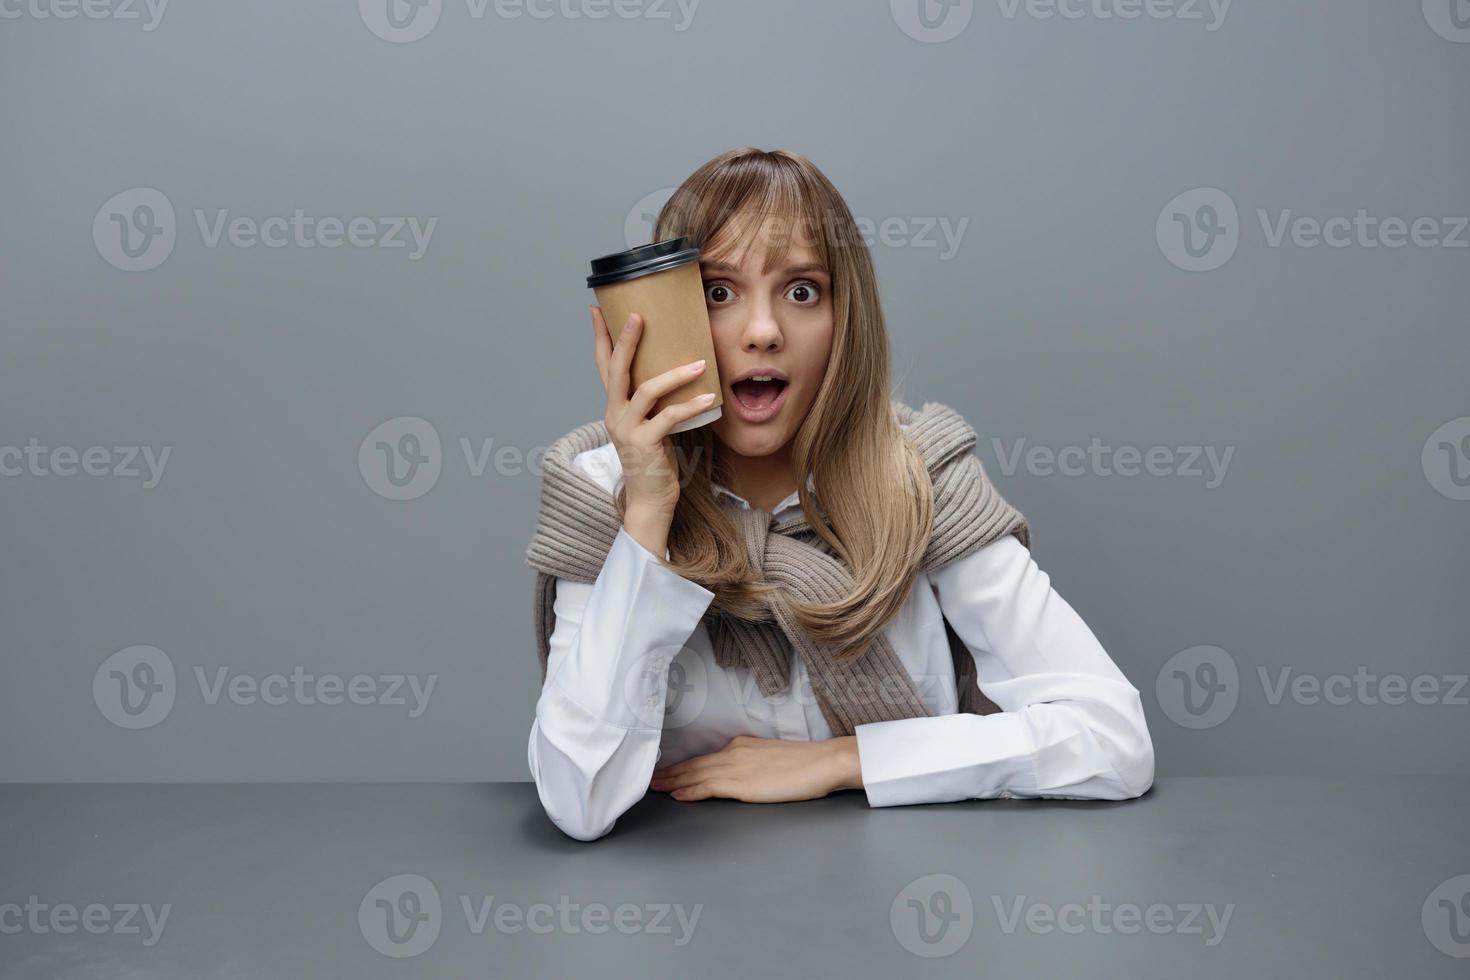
pixel 1064 308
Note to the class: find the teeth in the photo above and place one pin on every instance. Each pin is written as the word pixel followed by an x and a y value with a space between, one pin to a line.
pixel 761 377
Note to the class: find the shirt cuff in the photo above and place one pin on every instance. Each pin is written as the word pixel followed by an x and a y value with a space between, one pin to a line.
pixel 640 615
pixel 946 758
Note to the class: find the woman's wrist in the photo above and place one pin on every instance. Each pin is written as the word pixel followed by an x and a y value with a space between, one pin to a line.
pixel 651 530
pixel 849 766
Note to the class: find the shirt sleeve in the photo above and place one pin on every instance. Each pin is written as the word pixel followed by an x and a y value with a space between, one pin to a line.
pixel 1071 726
pixel 599 719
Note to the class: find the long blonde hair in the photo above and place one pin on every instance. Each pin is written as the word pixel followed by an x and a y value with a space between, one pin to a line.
pixel 872 482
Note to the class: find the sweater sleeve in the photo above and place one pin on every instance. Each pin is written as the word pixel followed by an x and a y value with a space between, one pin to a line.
pixel 599 719
pixel 1071 725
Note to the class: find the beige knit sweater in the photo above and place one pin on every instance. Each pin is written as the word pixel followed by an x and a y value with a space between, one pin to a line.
pixel 578 521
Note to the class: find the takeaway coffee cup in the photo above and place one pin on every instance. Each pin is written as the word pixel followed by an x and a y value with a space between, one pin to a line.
pixel 661 283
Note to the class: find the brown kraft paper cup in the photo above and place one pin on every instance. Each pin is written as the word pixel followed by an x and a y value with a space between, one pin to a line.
pixel 661 283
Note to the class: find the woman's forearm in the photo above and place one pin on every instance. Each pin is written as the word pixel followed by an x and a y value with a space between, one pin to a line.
pixel 598 722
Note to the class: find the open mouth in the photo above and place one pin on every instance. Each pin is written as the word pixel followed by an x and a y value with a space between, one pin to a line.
pixel 758 396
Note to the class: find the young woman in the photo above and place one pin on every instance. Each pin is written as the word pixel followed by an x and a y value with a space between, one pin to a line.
pixel 817 591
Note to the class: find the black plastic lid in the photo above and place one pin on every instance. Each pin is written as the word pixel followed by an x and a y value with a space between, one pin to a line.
pixel 643 260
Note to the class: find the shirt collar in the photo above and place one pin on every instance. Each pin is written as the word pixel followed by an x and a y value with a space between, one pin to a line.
pixel 793 500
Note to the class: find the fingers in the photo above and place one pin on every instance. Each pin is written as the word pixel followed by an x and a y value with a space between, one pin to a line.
pixel 685 784
pixel 614 364
pixel 602 342
pixel 661 384
pixel 664 422
pixel 670 781
pixel 718 757
pixel 690 771
pixel 713 787
pixel 618 369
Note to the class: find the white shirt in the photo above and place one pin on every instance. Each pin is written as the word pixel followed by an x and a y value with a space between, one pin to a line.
pixel 631 681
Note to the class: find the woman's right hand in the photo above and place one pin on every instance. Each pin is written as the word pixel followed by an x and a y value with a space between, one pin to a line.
pixel 643 445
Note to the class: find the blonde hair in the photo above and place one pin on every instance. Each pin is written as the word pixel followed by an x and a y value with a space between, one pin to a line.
pixel 873 484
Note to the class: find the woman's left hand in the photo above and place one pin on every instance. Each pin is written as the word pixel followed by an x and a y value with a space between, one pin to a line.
pixel 765 770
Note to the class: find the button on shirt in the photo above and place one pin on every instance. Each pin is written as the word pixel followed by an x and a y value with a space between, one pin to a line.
pixel 632 682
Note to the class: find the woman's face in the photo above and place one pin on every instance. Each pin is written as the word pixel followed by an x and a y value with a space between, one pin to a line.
pixel 767 321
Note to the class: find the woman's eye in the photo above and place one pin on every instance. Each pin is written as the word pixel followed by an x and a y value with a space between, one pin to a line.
pixel 716 292
pixel 806 292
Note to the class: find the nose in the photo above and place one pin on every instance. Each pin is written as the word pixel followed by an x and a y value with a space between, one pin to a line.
pixel 761 331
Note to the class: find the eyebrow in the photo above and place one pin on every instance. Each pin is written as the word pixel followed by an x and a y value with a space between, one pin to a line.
pixel 725 267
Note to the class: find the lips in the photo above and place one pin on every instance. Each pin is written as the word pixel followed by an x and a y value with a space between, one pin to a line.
pixel 758 401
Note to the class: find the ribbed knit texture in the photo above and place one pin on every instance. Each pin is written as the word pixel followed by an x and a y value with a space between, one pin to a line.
pixel 578 522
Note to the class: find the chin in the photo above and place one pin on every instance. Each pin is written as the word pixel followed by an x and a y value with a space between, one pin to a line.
pixel 749 440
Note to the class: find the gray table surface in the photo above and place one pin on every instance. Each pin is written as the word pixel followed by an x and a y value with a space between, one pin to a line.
pixel 1202 877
